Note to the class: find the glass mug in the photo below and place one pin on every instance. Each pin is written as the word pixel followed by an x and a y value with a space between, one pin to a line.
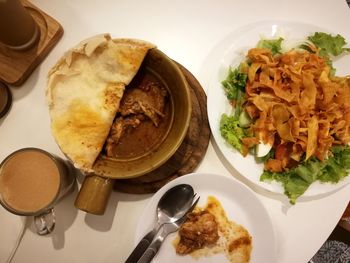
pixel 32 181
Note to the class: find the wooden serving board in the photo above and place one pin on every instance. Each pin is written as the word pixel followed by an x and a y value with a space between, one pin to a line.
pixel 187 157
pixel 16 66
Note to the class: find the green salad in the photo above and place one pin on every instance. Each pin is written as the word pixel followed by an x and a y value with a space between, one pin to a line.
pixel 291 112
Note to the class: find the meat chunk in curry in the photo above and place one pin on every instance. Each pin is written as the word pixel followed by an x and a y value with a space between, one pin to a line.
pixel 199 230
pixel 142 119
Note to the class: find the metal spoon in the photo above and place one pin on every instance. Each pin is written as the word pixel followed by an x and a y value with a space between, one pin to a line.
pixel 153 248
pixel 171 207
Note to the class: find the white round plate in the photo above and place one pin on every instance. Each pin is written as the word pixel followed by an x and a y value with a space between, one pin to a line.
pixel 230 52
pixel 239 202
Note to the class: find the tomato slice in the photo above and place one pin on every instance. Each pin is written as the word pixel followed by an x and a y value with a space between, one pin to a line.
pixel 282 152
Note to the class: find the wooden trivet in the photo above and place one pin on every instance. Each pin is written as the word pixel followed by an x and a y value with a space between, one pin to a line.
pixel 16 66
pixel 189 154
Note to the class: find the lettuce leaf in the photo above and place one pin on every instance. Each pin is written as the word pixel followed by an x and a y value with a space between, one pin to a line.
pixel 231 131
pixel 337 166
pixel 275 45
pixel 234 86
pixel 328 44
pixel 295 187
pixel 234 83
pixel 297 180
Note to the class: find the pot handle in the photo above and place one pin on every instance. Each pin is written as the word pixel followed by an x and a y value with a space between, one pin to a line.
pixel 94 194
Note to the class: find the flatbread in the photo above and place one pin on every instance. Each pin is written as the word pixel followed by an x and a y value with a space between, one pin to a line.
pixel 84 91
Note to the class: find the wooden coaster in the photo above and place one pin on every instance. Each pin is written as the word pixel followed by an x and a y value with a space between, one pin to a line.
pixel 16 66
pixel 189 154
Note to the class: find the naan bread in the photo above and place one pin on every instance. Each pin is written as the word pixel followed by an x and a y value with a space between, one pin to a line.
pixel 84 91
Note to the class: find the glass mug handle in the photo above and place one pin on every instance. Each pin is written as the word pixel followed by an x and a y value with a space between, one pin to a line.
pixel 45 222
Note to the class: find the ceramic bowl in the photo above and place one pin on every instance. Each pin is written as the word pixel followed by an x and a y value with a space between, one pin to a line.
pixel 169 73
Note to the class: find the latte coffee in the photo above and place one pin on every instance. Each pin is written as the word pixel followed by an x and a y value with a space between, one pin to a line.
pixel 29 181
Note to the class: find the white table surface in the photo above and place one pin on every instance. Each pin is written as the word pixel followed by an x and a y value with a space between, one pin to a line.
pixel 186 31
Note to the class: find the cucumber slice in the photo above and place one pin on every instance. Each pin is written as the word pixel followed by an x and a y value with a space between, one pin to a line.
pixel 244 120
pixel 262 149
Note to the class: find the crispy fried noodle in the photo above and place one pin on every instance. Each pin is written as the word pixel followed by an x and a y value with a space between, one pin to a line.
pixel 294 96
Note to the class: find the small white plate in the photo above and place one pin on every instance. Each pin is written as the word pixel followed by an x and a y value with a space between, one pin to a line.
pixel 239 202
pixel 230 52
